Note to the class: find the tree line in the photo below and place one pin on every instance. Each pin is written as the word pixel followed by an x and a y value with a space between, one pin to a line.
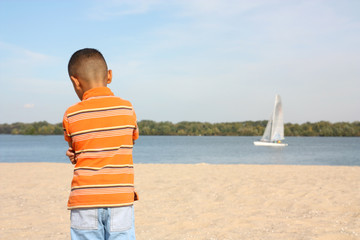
pixel 247 128
pixel 35 128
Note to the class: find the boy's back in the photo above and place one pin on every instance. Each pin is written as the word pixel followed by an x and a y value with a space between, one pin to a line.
pixel 102 128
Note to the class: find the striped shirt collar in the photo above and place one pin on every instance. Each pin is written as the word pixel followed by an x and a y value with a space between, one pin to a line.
pixel 96 92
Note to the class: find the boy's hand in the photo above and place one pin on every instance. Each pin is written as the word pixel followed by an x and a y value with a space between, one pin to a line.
pixel 71 154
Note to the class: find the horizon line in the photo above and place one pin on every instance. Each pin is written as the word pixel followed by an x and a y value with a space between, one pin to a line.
pixel 200 121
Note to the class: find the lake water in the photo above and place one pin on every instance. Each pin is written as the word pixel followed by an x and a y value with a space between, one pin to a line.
pixel 186 149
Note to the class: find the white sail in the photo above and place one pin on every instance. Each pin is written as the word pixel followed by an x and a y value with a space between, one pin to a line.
pixel 267 134
pixel 274 130
pixel 277 131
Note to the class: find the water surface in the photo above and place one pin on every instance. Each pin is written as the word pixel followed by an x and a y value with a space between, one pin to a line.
pixel 189 149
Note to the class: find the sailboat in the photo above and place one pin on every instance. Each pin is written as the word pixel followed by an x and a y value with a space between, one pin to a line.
pixel 274 131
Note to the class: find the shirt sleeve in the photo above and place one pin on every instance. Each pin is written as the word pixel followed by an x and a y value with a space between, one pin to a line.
pixel 136 130
pixel 66 128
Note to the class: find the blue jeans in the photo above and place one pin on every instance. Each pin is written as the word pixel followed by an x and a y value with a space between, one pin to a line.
pixel 103 223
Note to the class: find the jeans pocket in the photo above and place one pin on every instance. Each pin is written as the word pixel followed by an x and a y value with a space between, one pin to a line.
pixel 84 219
pixel 121 218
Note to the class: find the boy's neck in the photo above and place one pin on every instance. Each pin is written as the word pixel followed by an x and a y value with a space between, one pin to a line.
pixel 99 91
pixel 91 86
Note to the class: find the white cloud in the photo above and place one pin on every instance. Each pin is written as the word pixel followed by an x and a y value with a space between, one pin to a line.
pixel 36 56
pixel 29 105
pixel 18 62
pixel 221 8
pixel 13 51
pixel 104 10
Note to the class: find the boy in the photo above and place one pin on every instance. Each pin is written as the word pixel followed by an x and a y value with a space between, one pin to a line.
pixel 100 130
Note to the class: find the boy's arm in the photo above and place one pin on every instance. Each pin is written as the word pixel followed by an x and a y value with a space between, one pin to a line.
pixel 71 154
pixel 136 130
pixel 136 133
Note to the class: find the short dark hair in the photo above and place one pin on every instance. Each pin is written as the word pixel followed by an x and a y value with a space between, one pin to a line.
pixel 87 63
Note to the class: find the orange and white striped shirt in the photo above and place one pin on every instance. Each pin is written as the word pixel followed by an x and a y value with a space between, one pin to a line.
pixel 101 129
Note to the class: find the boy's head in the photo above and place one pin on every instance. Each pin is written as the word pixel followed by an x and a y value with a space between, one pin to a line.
pixel 88 69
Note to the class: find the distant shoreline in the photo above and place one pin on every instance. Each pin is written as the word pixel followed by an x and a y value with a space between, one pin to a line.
pixel 186 128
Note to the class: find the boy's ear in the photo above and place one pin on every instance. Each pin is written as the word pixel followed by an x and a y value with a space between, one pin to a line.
pixel 109 77
pixel 75 82
pixel 77 87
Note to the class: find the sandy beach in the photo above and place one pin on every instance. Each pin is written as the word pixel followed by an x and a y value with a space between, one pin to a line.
pixel 198 201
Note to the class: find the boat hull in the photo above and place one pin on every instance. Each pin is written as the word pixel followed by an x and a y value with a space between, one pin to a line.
pixel 270 144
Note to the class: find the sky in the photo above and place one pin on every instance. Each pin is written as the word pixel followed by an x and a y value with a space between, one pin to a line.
pixel 186 60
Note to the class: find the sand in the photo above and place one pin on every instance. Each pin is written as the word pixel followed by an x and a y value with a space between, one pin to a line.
pixel 198 201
